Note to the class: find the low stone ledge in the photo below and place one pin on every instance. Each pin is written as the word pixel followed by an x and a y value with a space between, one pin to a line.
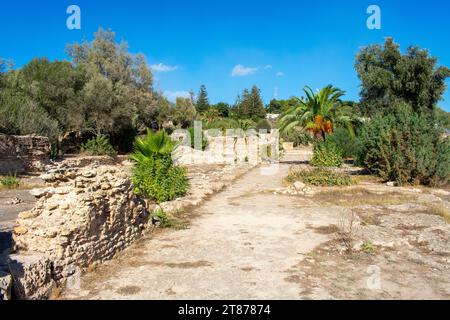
pixel 83 217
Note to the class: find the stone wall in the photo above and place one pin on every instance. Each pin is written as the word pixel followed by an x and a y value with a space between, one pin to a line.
pixel 22 153
pixel 84 216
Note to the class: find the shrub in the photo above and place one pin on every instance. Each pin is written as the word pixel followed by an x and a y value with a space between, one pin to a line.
pixel 159 179
pixel 299 138
pixel 319 177
pixel 263 124
pixel 20 116
pixel 405 147
pixel 344 141
pixel 154 174
pixel 98 146
pixel 326 154
pixel 10 181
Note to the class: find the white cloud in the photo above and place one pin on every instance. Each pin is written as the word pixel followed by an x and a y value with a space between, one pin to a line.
pixel 279 74
pixel 173 95
pixel 241 71
pixel 160 67
pixel 269 66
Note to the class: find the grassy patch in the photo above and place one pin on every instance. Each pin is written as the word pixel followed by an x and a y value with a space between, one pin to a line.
pixel 439 210
pixel 369 248
pixel 170 221
pixel 10 181
pixel 319 177
pixel 354 197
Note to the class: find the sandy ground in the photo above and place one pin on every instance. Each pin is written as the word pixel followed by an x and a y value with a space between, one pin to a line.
pixel 249 243
pixel 12 202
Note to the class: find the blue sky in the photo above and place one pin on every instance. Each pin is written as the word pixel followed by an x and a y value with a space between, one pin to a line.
pixel 279 45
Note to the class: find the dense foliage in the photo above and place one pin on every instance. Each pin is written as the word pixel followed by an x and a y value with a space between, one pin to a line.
pixel 326 154
pixel 388 78
pixel 154 174
pixel 298 137
pixel 202 104
pixel 406 147
pixel 103 90
pixel 346 142
pixel 98 146
pixel 250 105
pixel 320 113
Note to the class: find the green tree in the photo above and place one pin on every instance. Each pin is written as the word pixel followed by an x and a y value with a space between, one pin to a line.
pixel 389 77
pixel 54 87
pixel 250 104
pixel 202 104
pixel 223 109
pixel 443 117
pixel 274 106
pixel 118 90
pixel 318 113
pixel 184 113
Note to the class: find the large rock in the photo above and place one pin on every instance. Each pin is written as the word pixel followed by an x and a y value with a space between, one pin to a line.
pixel 32 274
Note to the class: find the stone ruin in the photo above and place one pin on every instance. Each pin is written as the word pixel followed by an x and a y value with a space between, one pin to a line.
pixel 85 216
pixel 20 154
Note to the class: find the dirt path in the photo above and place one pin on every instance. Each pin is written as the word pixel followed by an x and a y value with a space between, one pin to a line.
pixel 249 243
pixel 240 247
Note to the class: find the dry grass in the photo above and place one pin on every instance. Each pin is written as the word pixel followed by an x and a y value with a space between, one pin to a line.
pixel 354 197
pixel 55 294
pixel 439 210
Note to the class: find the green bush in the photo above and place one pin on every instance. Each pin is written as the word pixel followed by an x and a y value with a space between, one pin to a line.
pixel 154 174
pixel 98 146
pixel 221 124
pixel 319 177
pixel 344 141
pixel 10 181
pixel 263 124
pixel 326 154
pixel 299 138
pixel 20 116
pixel 405 147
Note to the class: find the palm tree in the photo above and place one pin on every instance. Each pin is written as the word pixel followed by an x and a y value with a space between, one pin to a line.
pixel 157 144
pixel 319 113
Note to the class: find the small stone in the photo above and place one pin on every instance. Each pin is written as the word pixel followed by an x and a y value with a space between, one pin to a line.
pixel 299 186
pixel 20 230
pixel 48 177
pixel 90 174
pixel 105 186
pixel 52 207
pixel 62 191
pixel 38 193
pixel 28 215
pixel 16 201
pixel 390 184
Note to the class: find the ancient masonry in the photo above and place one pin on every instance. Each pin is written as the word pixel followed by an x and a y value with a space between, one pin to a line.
pixel 85 216
pixel 22 153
